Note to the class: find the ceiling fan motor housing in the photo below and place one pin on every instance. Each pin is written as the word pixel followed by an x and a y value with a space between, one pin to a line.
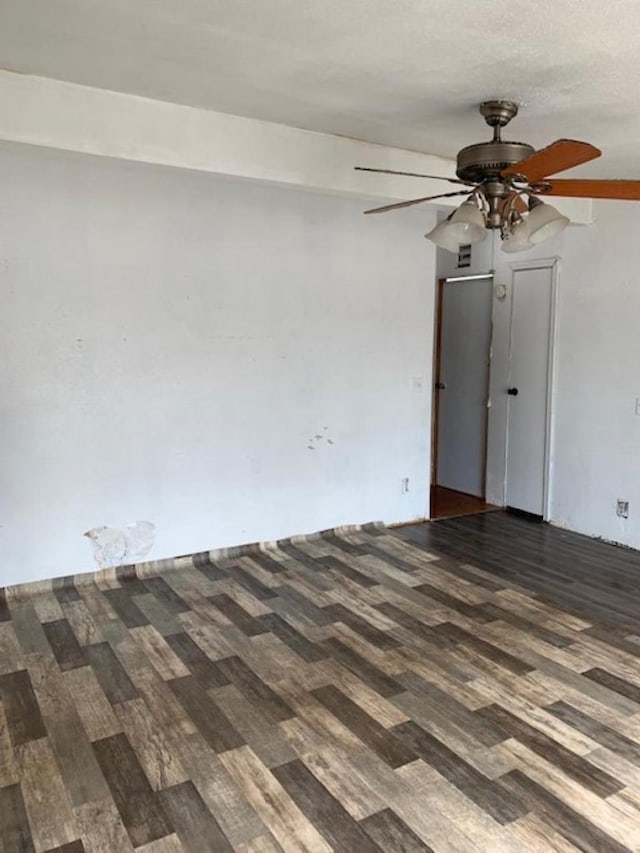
pixel 486 160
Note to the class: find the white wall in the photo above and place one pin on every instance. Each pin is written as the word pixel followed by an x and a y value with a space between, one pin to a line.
pixel 171 341
pixel 596 434
pixel 41 111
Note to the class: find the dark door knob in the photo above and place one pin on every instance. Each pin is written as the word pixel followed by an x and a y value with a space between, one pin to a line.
pixel 440 386
pixel 512 392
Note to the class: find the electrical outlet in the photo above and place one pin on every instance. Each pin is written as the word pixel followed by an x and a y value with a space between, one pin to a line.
pixel 404 485
pixel 637 406
pixel 622 508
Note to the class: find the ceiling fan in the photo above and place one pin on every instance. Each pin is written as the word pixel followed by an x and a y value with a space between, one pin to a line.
pixel 506 180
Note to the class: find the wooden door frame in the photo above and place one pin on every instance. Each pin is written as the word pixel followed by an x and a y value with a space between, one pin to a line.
pixel 435 407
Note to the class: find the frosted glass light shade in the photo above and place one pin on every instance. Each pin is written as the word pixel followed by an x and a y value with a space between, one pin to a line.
pixel 442 236
pixel 518 239
pixel 467 223
pixel 544 221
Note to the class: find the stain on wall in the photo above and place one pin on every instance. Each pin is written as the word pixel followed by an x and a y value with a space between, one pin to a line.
pixel 114 546
pixel 318 438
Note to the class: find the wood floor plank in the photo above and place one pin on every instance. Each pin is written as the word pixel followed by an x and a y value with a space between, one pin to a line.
pixel 573 826
pixel 612 682
pixel 597 731
pixel 222 794
pixel 333 768
pixel 168 844
pixel 5 614
pixel 248 624
pixel 46 798
pixel 159 652
pixel 390 833
pixel 101 827
pixel 197 662
pixel 142 813
pixel 210 721
pixel 126 608
pixel 65 591
pixel 487 794
pixel 598 813
pixel 283 817
pixel 64 644
pixel 82 623
pixel 265 698
pixel 306 649
pixel 196 827
pixel 384 711
pixel 466 685
pixel 47 607
pixel 370 732
pixel 362 668
pixel 72 847
pixel 163 619
pixel 159 762
pixel 256 728
pixel 477 825
pixel 11 655
pixel 245 579
pixel 9 773
pixel 113 679
pixel 93 708
pixel 166 595
pixel 573 765
pixel 337 566
pixel 67 735
pixel 423 818
pixel 15 833
pixel 21 709
pixel 323 810
pixel 361 626
pixel 535 834
pixel 443 703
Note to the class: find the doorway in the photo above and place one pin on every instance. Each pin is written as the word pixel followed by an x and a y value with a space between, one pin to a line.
pixel 529 388
pixel 461 392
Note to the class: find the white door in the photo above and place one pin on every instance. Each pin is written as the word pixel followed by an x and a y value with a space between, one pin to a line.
pixel 529 389
pixel 464 374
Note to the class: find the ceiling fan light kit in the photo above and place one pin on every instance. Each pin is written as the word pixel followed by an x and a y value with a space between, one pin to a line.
pixel 544 221
pixel 441 236
pixel 467 225
pixel 517 240
pixel 504 183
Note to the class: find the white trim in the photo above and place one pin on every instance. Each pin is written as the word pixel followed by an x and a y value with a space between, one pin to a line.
pixel 478 277
pixel 552 264
pixel 55 114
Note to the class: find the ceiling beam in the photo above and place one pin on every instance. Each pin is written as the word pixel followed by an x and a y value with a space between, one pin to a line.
pixel 55 114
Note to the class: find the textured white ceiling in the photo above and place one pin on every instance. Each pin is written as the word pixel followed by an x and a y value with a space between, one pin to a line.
pixel 407 73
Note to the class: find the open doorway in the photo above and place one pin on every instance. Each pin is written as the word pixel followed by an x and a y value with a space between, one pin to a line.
pixel 461 393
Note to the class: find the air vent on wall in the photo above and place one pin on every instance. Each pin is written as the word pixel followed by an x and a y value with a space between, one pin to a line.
pixel 464 257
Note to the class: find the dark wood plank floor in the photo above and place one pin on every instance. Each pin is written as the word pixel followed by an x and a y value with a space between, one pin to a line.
pixel 472 684
pixel 448 503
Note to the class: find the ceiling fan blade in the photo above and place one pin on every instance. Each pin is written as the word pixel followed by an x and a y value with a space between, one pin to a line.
pixel 400 204
pixel 408 174
pixel 576 188
pixel 560 155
